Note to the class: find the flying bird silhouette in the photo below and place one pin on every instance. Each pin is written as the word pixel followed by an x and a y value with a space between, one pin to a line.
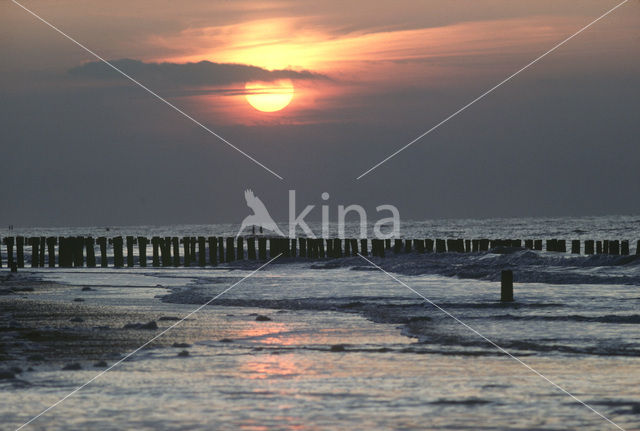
pixel 260 216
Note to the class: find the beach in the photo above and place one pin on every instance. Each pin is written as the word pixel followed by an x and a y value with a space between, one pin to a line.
pixel 326 345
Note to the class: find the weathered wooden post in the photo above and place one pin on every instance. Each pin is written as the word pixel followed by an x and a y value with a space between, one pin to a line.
pixel 562 246
pixel 303 247
pixel 142 251
pixel 186 244
pixel 528 243
pixel 347 247
pixel 428 245
pixel 354 246
pixel 588 246
pixel 51 251
pixel 102 242
pixel 408 245
pixel 441 246
pixel 35 251
pixel 118 259
pixel 467 246
pixel 42 251
pixel 175 244
pixel 251 248
pixel 240 248
pixel 62 252
pixel 364 247
pixel 129 251
pixel 599 249
pixel 575 246
pixel 89 244
pixel 165 251
pixel 614 247
pixel 155 257
pixel 397 246
pixel 213 250
pixel 230 255
pixel 552 244
pixel 537 244
pixel 78 250
pixel 484 244
pixel 475 245
pixel 624 247
pixel 20 251
pixel 321 253
pixel 192 252
pixel 506 286
pixel 638 247
pixel 605 246
pixel 221 249
pixel 202 251
pixel 387 244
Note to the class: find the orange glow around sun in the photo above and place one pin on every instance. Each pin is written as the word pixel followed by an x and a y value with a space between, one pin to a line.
pixel 269 96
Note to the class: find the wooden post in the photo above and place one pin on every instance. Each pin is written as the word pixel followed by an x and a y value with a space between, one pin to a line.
pixel 552 245
pixel 484 244
pixel 142 251
pixel 20 251
pixel 251 248
pixel 614 247
pixel 624 247
pixel 528 243
pixel 78 251
pixel 451 245
pixel 321 253
pixel 35 251
pixel 165 251
pixel 599 249
pixel 186 243
pixel 202 251
pixel 441 246
pixel 102 242
pixel 155 257
pixel 575 246
pixel 230 255
pixel 537 244
pixel 51 251
pixel 347 247
pixel 467 246
pixel 428 245
pixel 638 247
pixel 589 246
pixel 387 244
pixel 408 245
pixel 329 243
pixel 221 249
pixel 364 247
pixel 89 244
pixel 516 243
pixel 475 245
pixel 213 250
pixel 303 247
pixel 506 286
pixel 42 252
pixel 129 251
pixel 397 246
pixel 354 246
pixel 605 246
pixel 240 248
pixel 118 259
pixel 562 246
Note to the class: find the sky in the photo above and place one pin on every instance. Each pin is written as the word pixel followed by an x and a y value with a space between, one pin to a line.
pixel 80 145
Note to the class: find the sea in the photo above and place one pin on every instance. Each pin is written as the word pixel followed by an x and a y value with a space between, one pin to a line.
pixel 350 345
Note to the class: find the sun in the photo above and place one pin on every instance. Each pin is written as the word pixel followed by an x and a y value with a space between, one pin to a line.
pixel 269 96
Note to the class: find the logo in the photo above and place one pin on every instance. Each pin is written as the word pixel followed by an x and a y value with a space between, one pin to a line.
pixel 262 219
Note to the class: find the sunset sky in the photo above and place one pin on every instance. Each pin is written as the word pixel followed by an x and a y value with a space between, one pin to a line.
pixel 83 145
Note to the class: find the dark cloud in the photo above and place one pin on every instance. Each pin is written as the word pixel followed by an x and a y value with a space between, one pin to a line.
pixel 204 73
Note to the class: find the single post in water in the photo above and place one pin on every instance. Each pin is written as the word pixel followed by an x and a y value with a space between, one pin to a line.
pixel 251 248
pixel 165 251
pixel 624 247
pixel 230 254
pixel 599 249
pixel 221 249
pixel 155 257
pixel 240 248
pixel 51 251
pixel 262 248
pixel 20 251
pixel 142 251
pixel 364 247
pixel 35 251
pixel 9 242
pixel 175 242
pixel 506 286
pixel 589 246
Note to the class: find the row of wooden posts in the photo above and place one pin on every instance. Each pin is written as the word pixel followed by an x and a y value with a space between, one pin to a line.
pixel 80 251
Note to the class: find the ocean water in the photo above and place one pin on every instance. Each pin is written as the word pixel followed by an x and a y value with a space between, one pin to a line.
pixel 348 347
